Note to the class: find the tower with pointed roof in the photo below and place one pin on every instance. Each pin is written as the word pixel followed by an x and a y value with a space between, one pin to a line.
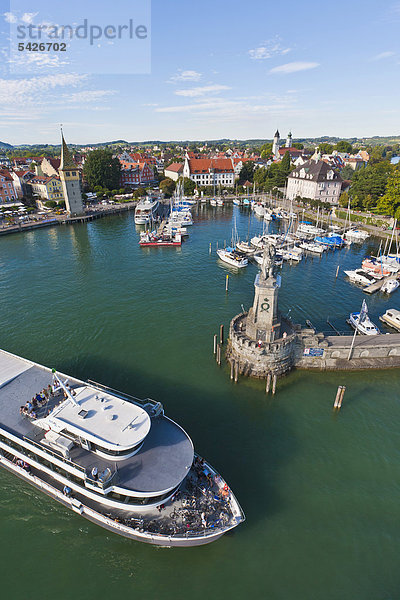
pixel 275 143
pixel 289 140
pixel 70 181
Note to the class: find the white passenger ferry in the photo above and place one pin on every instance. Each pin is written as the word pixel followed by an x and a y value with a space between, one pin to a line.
pixel 115 460
pixel 146 210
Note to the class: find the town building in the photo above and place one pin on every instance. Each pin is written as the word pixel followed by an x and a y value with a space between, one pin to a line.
pixel 7 190
pixel 21 180
pixel 315 179
pixel 276 143
pixel 210 171
pixel 70 181
pixel 46 188
pixel 137 174
pixel 174 171
pixel 289 140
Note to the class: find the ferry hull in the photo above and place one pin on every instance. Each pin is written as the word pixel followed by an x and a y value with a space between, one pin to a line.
pixel 106 523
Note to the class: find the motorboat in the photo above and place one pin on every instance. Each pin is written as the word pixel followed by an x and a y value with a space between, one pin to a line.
pixel 213 202
pixel 312 247
pixel 390 285
pixel 356 235
pixel 109 457
pixel 146 211
pixel 392 318
pixel 362 323
pixel 308 229
pixel 245 247
pixel 360 276
pixel 258 258
pixel 268 215
pixel 232 257
pixel 220 202
pixel 154 239
pixel 246 202
pixel 259 210
pixel 236 201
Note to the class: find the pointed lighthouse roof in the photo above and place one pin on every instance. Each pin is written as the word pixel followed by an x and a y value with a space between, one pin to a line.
pixel 277 133
pixel 66 158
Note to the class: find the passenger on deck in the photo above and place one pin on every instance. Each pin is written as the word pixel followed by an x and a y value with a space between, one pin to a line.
pixel 95 473
pixel 67 491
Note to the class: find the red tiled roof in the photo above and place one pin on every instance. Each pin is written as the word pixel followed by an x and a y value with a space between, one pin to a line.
pixel 55 162
pixel 175 167
pixel 203 165
pixel 6 174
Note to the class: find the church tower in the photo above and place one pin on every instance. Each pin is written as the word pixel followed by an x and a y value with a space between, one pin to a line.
pixel 289 140
pixel 70 182
pixel 275 144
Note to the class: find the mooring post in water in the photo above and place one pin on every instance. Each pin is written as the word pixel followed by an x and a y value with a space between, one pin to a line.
pixel 215 343
pixel 338 394
pixel 236 372
pixel 221 334
pixel 274 378
pixel 342 391
pixel 268 384
pixel 337 271
pixel 226 282
pixel 218 354
pixel 210 248
pixel 232 369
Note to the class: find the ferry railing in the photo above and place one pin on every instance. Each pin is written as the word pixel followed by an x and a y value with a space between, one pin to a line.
pixel 55 455
pixel 124 395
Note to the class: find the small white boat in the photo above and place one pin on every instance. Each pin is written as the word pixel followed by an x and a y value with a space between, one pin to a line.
pixel 268 216
pixel 362 323
pixel 392 318
pixel 313 247
pixel 258 258
pixel 245 247
pixel 357 235
pixel 259 210
pixel 213 202
pixel 220 202
pixel 360 276
pixel 233 258
pixel 236 201
pixel 390 286
pixel 295 254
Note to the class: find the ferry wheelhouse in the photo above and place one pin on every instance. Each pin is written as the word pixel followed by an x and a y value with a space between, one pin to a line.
pixel 112 458
pixel 146 211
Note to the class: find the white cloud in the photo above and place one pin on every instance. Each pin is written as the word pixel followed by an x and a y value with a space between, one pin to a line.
pixel 32 90
pixel 10 17
pixel 89 96
pixel 268 50
pixel 185 76
pixel 28 17
pixel 202 90
pixel 383 55
pixel 294 67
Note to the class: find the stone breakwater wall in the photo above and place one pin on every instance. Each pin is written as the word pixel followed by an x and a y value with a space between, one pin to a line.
pixel 307 349
pixel 315 351
pixel 275 357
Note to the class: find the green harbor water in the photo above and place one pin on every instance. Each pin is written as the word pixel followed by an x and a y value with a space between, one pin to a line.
pixel 320 491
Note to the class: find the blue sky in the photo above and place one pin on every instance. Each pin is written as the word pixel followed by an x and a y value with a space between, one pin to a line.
pixel 219 69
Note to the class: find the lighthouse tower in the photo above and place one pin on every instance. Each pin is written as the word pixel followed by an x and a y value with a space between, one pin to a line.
pixel 70 182
pixel 289 140
pixel 275 144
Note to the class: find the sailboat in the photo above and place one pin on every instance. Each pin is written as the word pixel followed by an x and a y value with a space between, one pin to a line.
pixel 230 255
pixel 361 322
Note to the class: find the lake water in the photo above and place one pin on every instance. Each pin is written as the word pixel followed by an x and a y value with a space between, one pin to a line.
pixel 320 491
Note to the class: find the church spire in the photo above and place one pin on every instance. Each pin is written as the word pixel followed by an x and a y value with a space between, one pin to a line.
pixel 66 158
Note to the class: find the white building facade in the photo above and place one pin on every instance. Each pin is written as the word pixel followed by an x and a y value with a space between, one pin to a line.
pixel 315 180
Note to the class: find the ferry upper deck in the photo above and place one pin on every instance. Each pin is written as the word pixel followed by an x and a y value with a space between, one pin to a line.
pixel 165 452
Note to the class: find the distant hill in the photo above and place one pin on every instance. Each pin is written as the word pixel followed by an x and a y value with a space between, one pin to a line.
pixel 5 146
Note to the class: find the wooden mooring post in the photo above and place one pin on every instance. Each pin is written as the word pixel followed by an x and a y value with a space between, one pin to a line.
pixel 339 397
pixel 236 372
pixel 218 354
pixel 337 271
pixel 232 369
pixel 221 334
pixel 268 384
pixel 274 378
pixel 226 282
pixel 215 344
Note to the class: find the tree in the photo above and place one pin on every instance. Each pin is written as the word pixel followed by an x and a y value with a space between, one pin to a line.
pixel 101 169
pixel 389 204
pixel 325 148
pixel 298 145
pixel 188 185
pixel 50 203
pixel 246 172
pixel 347 172
pixel 167 186
pixel 344 146
pixel 369 181
pixel 344 200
